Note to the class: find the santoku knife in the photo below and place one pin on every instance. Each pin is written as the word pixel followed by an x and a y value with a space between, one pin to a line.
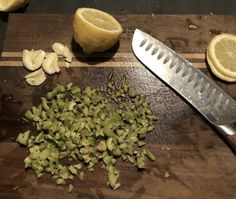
pixel 199 90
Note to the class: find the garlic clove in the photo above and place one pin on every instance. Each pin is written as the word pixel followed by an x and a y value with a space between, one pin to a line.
pixel 50 64
pixel 36 78
pixel 26 58
pixel 58 48
pixel 67 64
pixel 38 57
pixel 56 66
pixel 67 54
pixel 32 60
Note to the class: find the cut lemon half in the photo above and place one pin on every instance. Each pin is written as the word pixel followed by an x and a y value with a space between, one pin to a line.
pixel 217 73
pixel 95 30
pixel 11 5
pixel 222 54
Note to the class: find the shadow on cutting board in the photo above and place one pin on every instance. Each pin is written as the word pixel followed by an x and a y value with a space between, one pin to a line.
pixel 4 17
pixel 93 58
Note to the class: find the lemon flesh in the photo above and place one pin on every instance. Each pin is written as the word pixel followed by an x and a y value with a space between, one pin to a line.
pixel 11 5
pixel 226 53
pixel 217 73
pixel 222 54
pixel 95 30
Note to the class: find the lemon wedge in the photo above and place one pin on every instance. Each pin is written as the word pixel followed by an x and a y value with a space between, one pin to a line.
pixel 221 56
pixel 11 5
pixel 95 30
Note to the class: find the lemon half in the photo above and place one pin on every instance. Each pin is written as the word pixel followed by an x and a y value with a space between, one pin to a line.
pixel 221 56
pixel 95 30
pixel 11 5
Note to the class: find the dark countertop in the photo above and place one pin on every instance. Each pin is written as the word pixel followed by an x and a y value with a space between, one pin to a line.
pixel 223 7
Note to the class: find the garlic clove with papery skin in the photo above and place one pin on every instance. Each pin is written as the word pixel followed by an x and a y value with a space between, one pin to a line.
pixel 36 78
pixel 58 48
pixel 32 60
pixel 50 64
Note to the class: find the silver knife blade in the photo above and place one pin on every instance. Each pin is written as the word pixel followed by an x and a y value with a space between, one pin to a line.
pixel 199 90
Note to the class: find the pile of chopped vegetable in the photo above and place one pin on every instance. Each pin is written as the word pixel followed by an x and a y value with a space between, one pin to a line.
pixel 77 128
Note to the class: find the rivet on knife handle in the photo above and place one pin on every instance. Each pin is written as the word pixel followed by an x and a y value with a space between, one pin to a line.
pixel 204 94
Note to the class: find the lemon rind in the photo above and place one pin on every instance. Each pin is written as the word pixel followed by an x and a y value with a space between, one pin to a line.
pixel 80 10
pixel 93 38
pixel 13 5
pixel 211 53
pixel 216 72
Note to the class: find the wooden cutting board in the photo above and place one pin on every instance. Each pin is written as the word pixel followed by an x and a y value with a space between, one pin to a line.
pixel 192 160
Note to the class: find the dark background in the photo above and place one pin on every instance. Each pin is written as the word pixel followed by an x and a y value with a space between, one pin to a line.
pixel 222 7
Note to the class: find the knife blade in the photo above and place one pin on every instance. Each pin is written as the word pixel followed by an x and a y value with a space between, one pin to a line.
pixel 194 86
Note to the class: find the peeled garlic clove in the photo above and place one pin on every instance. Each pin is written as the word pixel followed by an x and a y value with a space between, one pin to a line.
pixel 50 64
pixel 32 60
pixel 36 78
pixel 58 48
pixel 67 64
pixel 38 57
pixel 67 54
pixel 56 66
pixel 27 61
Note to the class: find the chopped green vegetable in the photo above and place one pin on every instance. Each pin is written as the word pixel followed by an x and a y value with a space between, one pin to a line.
pixel 77 128
pixel 23 138
pixel 117 185
pixel 150 155
pixel 81 175
pixel 70 188
pixel 141 161
pixel 73 169
pixel 113 176
pixel 60 181
pixel 102 146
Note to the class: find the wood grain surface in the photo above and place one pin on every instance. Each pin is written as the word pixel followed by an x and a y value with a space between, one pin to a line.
pixel 192 160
